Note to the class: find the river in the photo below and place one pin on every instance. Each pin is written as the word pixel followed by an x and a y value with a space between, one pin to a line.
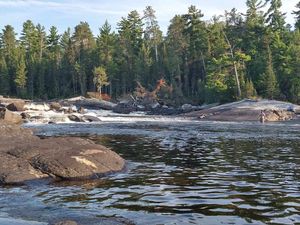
pixel 178 172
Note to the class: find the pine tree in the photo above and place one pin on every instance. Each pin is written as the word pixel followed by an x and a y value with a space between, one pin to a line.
pixel 8 51
pixel 249 90
pixel 106 52
pixel 4 77
pixel 293 70
pixel 53 61
pixel 153 34
pixel 84 42
pixel 30 43
pixel 269 80
pixel 21 72
pixel 68 79
pixel 202 60
pixel 130 36
pixel 196 34
pixel 177 49
pixel 297 16
pixel 275 18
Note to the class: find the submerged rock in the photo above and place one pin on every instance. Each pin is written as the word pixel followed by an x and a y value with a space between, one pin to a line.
pixel 89 118
pixel 25 115
pixel 26 157
pixel 81 110
pixel 75 118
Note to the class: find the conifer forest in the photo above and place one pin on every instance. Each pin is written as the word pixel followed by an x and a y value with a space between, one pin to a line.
pixel 229 57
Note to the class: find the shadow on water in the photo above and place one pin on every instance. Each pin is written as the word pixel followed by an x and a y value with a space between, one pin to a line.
pixel 177 173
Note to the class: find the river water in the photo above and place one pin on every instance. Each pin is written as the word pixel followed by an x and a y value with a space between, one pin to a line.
pixel 178 172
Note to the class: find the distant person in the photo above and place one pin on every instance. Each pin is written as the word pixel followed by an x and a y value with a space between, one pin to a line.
pixel 262 116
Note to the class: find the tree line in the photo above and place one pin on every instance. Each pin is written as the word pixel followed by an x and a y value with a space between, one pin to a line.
pixel 229 57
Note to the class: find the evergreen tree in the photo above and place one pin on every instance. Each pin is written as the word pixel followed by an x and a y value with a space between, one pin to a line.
pixel 292 82
pixel 8 51
pixel 177 48
pixel 253 40
pixel 106 50
pixel 297 16
pixel 83 42
pixel 130 36
pixel 269 85
pixel 4 76
pixel 249 90
pixel 220 60
pixel 196 33
pixel 68 79
pixel 39 84
pixel 21 77
pixel 153 34
pixel 29 42
pixel 275 17
pixel 53 61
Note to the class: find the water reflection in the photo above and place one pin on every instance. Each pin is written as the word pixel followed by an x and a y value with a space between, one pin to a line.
pixel 212 174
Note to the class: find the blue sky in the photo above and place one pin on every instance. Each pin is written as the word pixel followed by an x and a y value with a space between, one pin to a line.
pixel 68 13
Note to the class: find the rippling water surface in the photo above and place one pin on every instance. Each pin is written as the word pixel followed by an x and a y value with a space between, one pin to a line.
pixel 178 172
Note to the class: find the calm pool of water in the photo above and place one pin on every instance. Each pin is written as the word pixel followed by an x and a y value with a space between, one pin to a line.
pixel 178 172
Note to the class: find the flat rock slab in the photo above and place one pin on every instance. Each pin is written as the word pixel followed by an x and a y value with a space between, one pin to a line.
pixel 26 157
pixel 247 110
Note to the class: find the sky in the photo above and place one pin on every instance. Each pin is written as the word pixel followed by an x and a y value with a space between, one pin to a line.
pixel 68 13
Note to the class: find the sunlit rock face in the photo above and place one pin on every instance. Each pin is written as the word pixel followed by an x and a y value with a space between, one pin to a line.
pixel 26 157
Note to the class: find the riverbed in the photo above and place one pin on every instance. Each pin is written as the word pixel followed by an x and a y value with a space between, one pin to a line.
pixel 178 171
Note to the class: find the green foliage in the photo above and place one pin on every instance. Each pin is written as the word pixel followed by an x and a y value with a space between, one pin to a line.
pixel 297 15
pixel 230 57
pixel 275 18
pixel 21 78
pixel 249 90
pixel 100 78
pixel 4 76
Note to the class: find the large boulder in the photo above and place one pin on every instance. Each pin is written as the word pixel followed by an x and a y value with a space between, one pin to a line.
pixel 16 106
pixel 278 115
pixel 26 157
pixel 56 106
pixel 125 107
pixel 78 159
pixel 10 116
pixel 89 103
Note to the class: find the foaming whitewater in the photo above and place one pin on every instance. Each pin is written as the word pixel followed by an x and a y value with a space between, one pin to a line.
pixel 171 130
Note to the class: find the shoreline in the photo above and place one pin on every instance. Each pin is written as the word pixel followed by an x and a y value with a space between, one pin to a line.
pixel 80 109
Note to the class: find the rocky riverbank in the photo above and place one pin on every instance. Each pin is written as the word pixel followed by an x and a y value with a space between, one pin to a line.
pixel 81 109
pixel 248 110
pixel 26 157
